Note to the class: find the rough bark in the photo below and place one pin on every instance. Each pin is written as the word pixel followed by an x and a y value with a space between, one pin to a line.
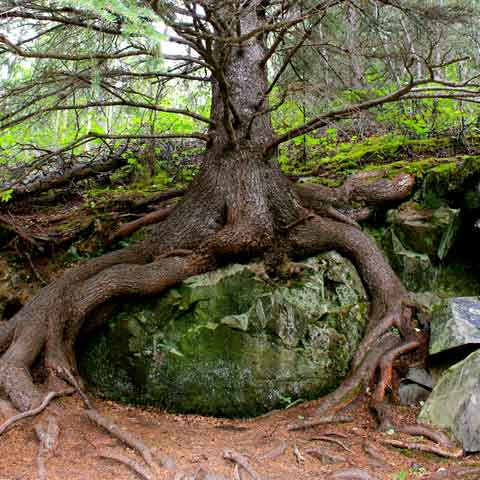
pixel 239 205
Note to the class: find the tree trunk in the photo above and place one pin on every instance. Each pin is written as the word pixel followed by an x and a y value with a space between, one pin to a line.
pixel 239 205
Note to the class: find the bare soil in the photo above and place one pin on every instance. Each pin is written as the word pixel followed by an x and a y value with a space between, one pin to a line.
pixel 193 442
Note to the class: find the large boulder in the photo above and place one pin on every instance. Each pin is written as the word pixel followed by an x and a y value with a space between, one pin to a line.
pixel 232 343
pixel 455 401
pixel 456 323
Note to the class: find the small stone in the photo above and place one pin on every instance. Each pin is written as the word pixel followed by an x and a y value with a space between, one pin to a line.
pixel 412 394
pixel 419 376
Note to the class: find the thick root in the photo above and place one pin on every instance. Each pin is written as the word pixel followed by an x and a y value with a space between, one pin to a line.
pixel 125 437
pixel 94 285
pixel 48 440
pixel 454 453
pixel 130 463
pixel 34 411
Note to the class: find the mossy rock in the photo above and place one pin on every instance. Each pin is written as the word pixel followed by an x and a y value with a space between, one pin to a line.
pixel 448 179
pixel 423 230
pixel 227 343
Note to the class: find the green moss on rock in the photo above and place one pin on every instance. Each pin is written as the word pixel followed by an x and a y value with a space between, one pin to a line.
pixel 227 343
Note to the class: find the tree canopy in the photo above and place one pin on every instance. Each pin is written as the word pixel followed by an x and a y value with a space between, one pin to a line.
pixel 93 75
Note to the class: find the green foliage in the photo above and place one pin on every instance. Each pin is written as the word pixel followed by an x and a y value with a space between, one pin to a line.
pixel 6 195
pixel 137 18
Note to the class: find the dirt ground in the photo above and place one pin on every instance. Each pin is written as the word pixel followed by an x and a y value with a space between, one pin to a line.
pixel 192 442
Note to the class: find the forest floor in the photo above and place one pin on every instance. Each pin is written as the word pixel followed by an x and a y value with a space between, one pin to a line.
pixel 194 442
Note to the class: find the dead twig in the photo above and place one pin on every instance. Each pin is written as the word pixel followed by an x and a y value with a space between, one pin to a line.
pixel 130 463
pixel 326 438
pixel 298 455
pixel 308 216
pixel 128 229
pixel 320 421
pixel 335 434
pixel 236 473
pixel 34 270
pixel 424 447
pixel 241 461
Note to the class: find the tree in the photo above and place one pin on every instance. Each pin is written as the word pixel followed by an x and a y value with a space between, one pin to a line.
pixel 239 205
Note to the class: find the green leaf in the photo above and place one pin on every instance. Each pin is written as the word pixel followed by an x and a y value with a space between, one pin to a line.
pixel 6 195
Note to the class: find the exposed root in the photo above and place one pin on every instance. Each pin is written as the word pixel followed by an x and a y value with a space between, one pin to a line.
pixel 229 219
pixel 352 474
pixel 275 452
pixel 365 188
pixel 130 463
pixel 7 329
pixel 373 334
pixel 242 462
pixel 128 229
pixel 358 381
pixel 34 411
pixel 382 411
pixel 328 439
pixel 386 367
pixel 427 432
pixel 125 437
pixel 48 438
pixel 375 454
pixel 424 447
pixel 466 472
pixel 325 456
pixel 306 425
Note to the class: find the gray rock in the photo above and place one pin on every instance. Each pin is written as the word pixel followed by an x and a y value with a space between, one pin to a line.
pixel 455 323
pixel 228 343
pixel 412 393
pixel 454 403
pixel 419 376
pixel 415 387
pixel 422 230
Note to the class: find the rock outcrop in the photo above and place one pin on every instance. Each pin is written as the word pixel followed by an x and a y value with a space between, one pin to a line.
pixel 232 343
